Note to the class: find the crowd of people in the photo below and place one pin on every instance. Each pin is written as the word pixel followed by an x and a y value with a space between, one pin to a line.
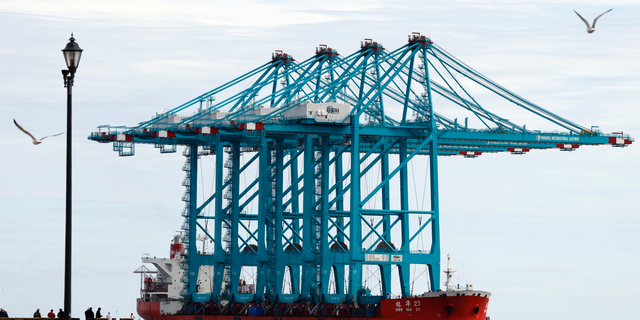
pixel 89 315
pixel 50 315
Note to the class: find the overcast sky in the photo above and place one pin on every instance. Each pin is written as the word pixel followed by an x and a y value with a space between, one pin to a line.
pixel 553 235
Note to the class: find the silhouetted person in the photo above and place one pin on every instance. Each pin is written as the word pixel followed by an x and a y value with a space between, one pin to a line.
pixel 60 314
pixel 3 313
pixel 89 314
pixel 98 314
pixel 37 314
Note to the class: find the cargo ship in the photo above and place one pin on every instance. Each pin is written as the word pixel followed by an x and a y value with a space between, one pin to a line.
pixel 161 300
pixel 316 185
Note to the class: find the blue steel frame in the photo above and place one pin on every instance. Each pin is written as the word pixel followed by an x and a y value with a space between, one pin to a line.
pixel 321 224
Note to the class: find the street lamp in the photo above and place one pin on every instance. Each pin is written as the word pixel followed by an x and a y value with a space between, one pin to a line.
pixel 72 53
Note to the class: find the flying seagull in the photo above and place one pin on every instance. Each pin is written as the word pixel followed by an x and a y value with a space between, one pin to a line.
pixel 35 141
pixel 591 28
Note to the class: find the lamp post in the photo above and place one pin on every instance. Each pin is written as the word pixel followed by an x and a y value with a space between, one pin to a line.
pixel 72 53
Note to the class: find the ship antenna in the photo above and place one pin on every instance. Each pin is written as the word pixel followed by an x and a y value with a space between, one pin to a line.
pixel 449 273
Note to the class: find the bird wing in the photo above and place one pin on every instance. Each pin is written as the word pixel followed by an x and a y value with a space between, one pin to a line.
pixel 596 19
pixel 23 130
pixel 53 135
pixel 583 19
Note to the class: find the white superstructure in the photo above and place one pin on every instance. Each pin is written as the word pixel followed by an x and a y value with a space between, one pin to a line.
pixel 320 112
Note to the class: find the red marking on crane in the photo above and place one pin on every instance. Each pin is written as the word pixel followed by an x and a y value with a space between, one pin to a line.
pixel 619 141
pixel 251 126
pixel 567 146
pixel 212 130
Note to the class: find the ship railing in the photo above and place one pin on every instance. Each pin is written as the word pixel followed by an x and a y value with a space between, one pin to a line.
pixel 420 251
pixel 157 287
pixel 148 298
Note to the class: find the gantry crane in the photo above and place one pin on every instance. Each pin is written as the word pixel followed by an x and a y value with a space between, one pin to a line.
pixel 333 137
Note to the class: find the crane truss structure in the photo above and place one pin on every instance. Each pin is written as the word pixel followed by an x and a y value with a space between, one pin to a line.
pixel 334 139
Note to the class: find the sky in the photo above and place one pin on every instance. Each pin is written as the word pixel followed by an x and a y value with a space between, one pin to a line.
pixel 551 234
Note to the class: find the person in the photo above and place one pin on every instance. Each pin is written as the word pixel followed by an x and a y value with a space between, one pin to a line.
pixel 132 317
pixel 60 314
pixel 3 313
pixel 108 315
pixel 51 314
pixel 98 313
pixel 37 314
pixel 88 314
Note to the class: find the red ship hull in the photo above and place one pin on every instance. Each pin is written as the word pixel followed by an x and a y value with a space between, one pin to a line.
pixel 436 306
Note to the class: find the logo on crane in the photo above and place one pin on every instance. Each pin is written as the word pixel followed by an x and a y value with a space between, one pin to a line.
pixel 333 110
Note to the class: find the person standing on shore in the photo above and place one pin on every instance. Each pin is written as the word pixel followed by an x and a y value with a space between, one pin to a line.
pixel 3 313
pixel 89 314
pixel 37 314
pixel 60 314
pixel 98 313
pixel 51 315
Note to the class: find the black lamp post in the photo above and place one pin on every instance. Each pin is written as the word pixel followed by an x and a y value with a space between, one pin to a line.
pixel 72 53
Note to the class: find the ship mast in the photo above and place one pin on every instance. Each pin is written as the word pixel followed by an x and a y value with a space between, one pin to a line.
pixel 449 272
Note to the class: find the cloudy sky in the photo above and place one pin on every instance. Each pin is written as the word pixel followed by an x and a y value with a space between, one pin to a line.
pixel 551 234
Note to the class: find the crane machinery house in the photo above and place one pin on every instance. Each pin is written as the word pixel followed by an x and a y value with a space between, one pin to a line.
pixel 320 112
pixel 254 113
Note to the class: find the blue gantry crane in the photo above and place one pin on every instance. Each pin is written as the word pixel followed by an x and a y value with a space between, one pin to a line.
pixel 333 138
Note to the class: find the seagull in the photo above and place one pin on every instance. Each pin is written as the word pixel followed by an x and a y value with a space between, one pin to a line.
pixel 591 28
pixel 35 141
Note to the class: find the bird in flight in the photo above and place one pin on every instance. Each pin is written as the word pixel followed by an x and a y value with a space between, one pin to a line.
pixel 35 141
pixel 592 28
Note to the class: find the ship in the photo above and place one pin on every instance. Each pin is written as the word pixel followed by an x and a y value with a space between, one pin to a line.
pixel 314 187
pixel 161 299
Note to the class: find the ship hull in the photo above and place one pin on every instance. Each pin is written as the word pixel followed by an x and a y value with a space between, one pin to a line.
pixel 434 305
